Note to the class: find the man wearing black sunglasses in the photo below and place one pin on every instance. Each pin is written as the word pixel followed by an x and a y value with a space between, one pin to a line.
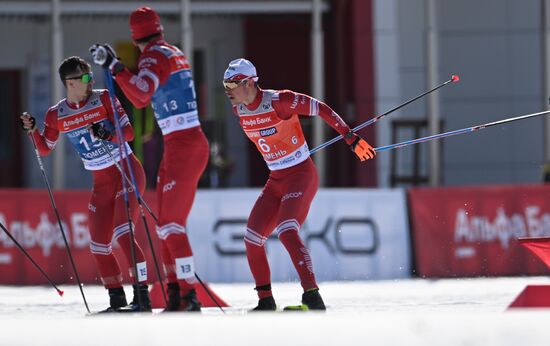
pixel 86 117
pixel 164 79
pixel 270 120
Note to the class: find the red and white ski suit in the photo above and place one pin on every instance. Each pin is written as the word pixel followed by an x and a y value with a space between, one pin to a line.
pixel 107 215
pixel 164 79
pixel 271 123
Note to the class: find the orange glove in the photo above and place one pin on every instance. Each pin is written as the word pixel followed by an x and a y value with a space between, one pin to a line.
pixel 360 147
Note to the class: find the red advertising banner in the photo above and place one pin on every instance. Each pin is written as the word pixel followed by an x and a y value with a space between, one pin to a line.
pixel 30 219
pixel 473 231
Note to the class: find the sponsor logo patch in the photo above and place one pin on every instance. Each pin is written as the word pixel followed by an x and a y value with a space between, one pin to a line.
pixel 291 195
pixel 268 132
pixel 169 186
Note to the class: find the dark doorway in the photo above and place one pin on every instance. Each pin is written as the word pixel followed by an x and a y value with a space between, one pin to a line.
pixel 278 45
pixel 10 132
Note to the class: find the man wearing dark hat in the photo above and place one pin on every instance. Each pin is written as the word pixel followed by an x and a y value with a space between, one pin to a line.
pixel 270 120
pixel 165 81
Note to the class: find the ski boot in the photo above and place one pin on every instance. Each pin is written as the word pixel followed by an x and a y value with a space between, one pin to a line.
pixel 265 304
pixel 173 293
pixel 141 295
pixel 187 303
pixel 311 300
pixel 190 303
pixel 117 300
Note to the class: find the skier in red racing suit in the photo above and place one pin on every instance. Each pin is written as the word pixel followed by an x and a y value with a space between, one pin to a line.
pixel 270 120
pixel 86 117
pixel 165 81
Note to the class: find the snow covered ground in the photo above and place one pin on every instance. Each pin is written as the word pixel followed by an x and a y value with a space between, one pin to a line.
pixel 403 312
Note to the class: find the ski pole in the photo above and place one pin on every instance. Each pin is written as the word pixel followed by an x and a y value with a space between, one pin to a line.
pixel 457 132
pixel 60 292
pixel 52 201
pixel 210 294
pixel 454 78
pixel 123 153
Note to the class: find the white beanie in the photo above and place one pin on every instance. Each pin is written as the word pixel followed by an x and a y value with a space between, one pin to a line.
pixel 240 69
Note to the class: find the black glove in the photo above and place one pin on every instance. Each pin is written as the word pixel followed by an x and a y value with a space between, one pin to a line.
pixel 99 131
pixel 27 122
pixel 105 56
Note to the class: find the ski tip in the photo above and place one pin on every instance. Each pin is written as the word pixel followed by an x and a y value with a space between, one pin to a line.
pixel 301 307
pixel 455 78
pixel 60 292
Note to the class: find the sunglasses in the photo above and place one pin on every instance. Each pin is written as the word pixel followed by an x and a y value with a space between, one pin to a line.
pixel 84 78
pixel 231 84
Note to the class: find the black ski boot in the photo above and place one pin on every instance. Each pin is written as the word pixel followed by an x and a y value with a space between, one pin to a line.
pixel 190 303
pixel 117 300
pixel 312 299
pixel 173 293
pixel 187 303
pixel 141 295
pixel 265 304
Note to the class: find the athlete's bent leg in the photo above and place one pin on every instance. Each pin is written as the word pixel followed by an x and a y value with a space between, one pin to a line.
pixel 100 222
pixel 260 225
pixel 299 188
pixel 121 232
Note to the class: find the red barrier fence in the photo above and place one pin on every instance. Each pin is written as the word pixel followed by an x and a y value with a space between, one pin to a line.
pixel 29 217
pixel 473 231
pixel 466 231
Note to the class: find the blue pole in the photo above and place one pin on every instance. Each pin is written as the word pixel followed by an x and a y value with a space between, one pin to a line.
pixel 123 153
pixel 456 132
